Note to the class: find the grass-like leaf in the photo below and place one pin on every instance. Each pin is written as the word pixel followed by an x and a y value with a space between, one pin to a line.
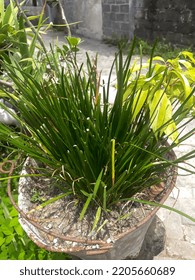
pixel 85 207
pixel 97 218
pixel 156 204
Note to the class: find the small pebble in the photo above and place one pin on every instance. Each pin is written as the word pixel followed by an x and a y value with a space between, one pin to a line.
pixel 49 226
pixel 55 241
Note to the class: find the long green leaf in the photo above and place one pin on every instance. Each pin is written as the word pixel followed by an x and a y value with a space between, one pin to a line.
pixel 97 218
pixel 156 204
pixel 85 207
pixel 2 11
pixel 97 184
pixel 51 200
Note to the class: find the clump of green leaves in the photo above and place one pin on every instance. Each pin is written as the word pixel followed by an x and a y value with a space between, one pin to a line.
pixel 103 153
pixel 163 49
pixel 19 41
pixel 161 84
pixel 9 25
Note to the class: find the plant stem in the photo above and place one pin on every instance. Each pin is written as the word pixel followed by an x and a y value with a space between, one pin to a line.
pixel 64 18
pixel 113 161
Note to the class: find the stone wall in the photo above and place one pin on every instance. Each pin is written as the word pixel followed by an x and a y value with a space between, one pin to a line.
pixel 173 20
pixel 116 18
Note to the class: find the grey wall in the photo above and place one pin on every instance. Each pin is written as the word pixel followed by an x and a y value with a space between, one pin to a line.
pixel 173 20
pixel 116 18
pixel 69 9
pixel 89 15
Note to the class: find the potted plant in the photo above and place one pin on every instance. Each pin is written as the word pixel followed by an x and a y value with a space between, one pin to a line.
pixel 96 172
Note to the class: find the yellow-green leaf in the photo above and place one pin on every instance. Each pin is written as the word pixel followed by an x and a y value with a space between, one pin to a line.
pixel 2 9
pixel 186 87
pixel 158 58
pixel 85 207
pixel 189 55
pixel 172 132
pixel 73 41
pixel 6 229
pixel 155 108
pixel 97 218
pixel 9 239
pixel 138 102
pixel 161 115
pixel 185 63
pixel 2 240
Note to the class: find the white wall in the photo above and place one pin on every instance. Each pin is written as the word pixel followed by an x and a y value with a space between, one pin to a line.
pixel 89 13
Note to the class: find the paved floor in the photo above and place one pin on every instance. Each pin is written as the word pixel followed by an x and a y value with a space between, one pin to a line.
pixel 180 232
pixel 180 243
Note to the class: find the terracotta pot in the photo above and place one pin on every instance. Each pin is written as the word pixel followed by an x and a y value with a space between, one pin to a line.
pixel 127 244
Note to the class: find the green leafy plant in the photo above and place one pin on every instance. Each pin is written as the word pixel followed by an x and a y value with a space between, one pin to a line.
pixel 176 79
pixel 103 153
pixel 163 48
pixel 19 40
pixel 13 33
pixel 9 25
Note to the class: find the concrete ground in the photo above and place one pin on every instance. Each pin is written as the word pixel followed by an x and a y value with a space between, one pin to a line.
pixel 180 231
